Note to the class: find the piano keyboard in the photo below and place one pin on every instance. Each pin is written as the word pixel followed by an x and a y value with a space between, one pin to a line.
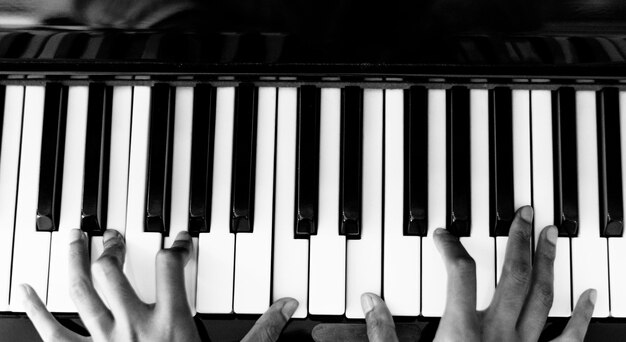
pixel 315 192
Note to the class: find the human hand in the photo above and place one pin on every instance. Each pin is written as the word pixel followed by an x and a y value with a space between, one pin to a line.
pixel 520 306
pixel 126 317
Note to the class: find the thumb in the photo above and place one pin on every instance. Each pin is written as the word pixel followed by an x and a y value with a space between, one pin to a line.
pixel 271 323
pixel 380 327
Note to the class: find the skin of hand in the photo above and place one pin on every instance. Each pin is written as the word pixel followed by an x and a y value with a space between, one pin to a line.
pixel 520 306
pixel 126 317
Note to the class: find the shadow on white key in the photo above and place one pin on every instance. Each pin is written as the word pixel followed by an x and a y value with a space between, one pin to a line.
pixel 617 246
pixel 543 197
pixel 364 257
pixel 291 256
pixel 31 248
pixel 181 172
pixel 253 259
pixel 141 247
pixel 402 253
pixel 327 263
pixel 71 202
pixel 216 249
pixel 479 244
pixel 589 250
pixel 520 100
pixel 434 277
pixel 9 162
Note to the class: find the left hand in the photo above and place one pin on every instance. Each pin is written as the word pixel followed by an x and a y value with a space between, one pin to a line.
pixel 126 317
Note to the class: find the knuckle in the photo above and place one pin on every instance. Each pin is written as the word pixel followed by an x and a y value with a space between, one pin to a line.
pixel 80 288
pixel 168 256
pixel 520 271
pixel 105 264
pixel 521 235
pixel 464 264
pixel 545 293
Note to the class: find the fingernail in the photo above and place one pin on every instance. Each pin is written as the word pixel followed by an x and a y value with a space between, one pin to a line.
pixel 75 235
pixel 367 302
pixel 111 234
pixel 439 231
pixel 183 235
pixel 593 295
pixel 552 234
pixel 27 290
pixel 527 214
pixel 289 308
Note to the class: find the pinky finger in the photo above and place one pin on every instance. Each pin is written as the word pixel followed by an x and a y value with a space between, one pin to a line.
pixel 47 326
pixel 576 328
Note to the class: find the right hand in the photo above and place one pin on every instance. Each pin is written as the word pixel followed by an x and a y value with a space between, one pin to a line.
pixel 520 306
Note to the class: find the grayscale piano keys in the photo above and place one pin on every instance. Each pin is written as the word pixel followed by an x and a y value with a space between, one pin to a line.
pixel 244 272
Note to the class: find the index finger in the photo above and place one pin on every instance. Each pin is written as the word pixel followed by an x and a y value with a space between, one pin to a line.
pixel 91 309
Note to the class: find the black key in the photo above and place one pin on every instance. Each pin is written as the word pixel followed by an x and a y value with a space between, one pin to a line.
pixel 307 158
pixel 244 159
pixel 610 158
pixel 416 161
pixel 501 200
pixel 351 161
pixel 97 153
pixel 565 164
pixel 160 159
pixel 2 100
pixel 52 152
pixel 201 177
pixel 458 166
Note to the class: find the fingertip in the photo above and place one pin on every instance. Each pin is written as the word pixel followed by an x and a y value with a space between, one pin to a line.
pixel 75 235
pixel 367 302
pixel 593 295
pixel 111 234
pixel 552 233
pixel 526 213
pixel 183 235
pixel 289 307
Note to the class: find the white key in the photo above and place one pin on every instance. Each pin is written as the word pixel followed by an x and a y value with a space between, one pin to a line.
pixel 521 163
pixel 253 259
pixel 121 113
pixel 31 249
pixel 71 200
pixel 120 148
pixel 479 244
pixel 589 250
pixel 543 197
pixel 9 163
pixel 434 277
pixel 181 173
pixel 617 246
pixel 216 249
pixel 364 257
pixel 402 253
pixel 141 247
pixel 327 264
pixel 291 256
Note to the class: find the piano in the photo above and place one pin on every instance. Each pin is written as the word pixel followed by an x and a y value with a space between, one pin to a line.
pixel 312 174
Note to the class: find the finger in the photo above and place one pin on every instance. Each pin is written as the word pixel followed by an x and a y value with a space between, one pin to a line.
pixel 170 275
pixel 114 246
pixel 91 309
pixel 516 271
pixel 47 326
pixel 380 326
pixel 577 325
pixel 461 284
pixel 272 322
pixel 539 299
pixel 112 283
